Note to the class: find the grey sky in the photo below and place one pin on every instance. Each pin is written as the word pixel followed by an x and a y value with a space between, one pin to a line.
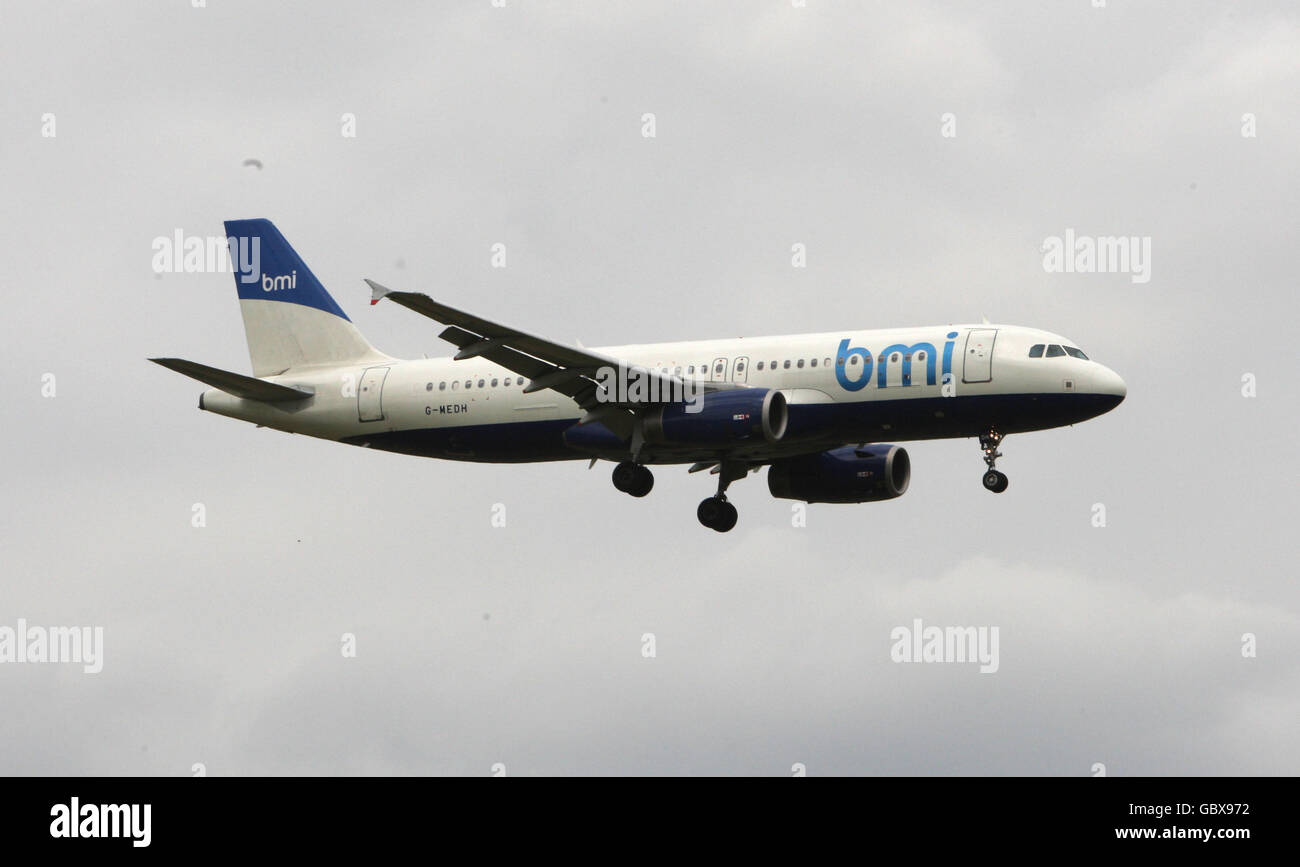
pixel 775 125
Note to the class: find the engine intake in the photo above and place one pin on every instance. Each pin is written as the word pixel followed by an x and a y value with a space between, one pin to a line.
pixel 850 474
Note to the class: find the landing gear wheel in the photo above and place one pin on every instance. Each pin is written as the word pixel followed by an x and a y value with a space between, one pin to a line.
pixel 995 481
pixel 645 480
pixel 709 511
pixel 633 479
pixel 728 518
pixel 717 514
pixel 624 476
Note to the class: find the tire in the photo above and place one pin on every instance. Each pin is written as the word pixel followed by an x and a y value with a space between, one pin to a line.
pixel 625 476
pixel 643 484
pixel 709 511
pixel 727 519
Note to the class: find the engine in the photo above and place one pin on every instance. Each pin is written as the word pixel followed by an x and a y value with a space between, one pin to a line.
pixel 850 474
pixel 722 418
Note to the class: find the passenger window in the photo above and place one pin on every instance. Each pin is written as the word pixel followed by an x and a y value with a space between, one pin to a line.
pixel 455 385
pixel 786 365
pixel 812 363
pixel 507 382
pixel 1055 351
pixel 740 367
pixel 469 383
pixel 494 383
pixel 429 387
pixel 800 363
pixel 442 386
pixel 853 359
pixel 1036 351
pixel 480 383
pixel 828 362
pixel 840 361
pixel 760 365
pixel 1077 353
pixel 677 371
pixel 772 365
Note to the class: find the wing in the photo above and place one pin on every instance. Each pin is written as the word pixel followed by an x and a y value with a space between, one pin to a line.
pixel 573 372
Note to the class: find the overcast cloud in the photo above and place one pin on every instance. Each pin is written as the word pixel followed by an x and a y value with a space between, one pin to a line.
pixel 776 125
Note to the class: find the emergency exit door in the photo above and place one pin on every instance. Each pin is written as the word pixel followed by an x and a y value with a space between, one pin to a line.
pixel 370 404
pixel 978 365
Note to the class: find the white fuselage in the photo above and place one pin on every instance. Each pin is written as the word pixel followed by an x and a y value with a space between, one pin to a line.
pixel 837 376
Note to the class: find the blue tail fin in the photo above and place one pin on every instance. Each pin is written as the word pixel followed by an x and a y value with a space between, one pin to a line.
pixel 289 319
pixel 267 267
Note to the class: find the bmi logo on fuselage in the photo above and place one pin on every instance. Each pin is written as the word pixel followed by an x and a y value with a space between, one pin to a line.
pixel 845 354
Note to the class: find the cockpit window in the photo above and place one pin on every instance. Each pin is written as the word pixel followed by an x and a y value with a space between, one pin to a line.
pixel 1055 351
pixel 1036 351
pixel 1077 353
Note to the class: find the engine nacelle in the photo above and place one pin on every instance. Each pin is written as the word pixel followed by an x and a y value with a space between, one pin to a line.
pixel 723 418
pixel 850 474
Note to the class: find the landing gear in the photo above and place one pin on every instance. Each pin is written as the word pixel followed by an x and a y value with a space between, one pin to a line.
pixel 715 512
pixel 633 479
pixel 993 480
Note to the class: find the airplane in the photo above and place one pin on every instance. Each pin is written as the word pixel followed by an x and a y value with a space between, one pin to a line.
pixel 821 411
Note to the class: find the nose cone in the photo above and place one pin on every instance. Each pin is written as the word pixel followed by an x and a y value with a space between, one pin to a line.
pixel 1109 387
pixel 1109 382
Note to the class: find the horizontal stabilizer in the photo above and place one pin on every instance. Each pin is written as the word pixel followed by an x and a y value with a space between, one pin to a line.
pixel 246 387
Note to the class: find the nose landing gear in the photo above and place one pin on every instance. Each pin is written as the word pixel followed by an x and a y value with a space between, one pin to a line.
pixel 993 480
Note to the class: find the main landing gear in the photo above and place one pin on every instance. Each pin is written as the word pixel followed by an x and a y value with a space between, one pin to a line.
pixel 715 512
pixel 633 479
pixel 993 480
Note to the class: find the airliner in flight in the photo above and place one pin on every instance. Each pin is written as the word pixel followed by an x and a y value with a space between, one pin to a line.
pixel 820 411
